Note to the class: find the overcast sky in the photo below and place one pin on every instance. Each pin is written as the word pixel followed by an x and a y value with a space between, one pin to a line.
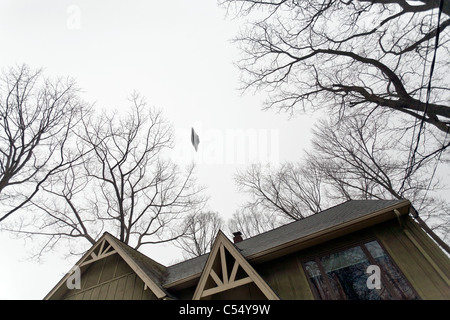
pixel 179 55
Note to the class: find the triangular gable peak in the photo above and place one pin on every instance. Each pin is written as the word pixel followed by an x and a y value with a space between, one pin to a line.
pixel 99 251
pixel 227 269
pixel 106 246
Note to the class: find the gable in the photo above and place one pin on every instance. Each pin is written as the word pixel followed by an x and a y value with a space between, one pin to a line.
pixel 109 278
pixel 111 270
pixel 225 271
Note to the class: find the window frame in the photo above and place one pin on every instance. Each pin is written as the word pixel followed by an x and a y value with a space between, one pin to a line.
pixel 359 243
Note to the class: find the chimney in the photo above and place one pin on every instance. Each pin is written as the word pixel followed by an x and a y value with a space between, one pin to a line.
pixel 237 237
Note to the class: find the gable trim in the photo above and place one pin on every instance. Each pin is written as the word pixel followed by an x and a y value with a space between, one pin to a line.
pixel 112 247
pixel 228 280
pixel 102 253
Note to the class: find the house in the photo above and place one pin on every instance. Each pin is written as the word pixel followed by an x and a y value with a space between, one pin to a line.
pixel 361 249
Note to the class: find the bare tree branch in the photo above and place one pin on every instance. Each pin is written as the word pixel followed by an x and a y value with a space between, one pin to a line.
pixel 201 231
pixel 345 55
pixel 121 183
pixel 37 116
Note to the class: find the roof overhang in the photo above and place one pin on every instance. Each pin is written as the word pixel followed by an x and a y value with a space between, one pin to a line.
pixel 312 239
pixel 336 231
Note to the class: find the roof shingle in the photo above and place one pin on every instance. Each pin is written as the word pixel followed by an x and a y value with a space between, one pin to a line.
pixel 333 216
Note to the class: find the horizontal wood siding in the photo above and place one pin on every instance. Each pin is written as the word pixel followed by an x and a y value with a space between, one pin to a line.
pixel 424 270
pixel 110 279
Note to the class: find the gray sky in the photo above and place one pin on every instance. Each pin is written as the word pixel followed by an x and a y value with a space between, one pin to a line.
pixel 177 54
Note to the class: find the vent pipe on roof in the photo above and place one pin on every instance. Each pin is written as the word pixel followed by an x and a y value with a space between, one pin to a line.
pixel 237 237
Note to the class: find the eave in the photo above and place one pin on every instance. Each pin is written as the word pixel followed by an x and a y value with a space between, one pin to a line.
pixel 310 240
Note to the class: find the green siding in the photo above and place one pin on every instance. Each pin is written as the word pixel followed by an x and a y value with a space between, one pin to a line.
pixel 428 281
pixel 421 261
pixel 92 277
pixel 110 295
pixel 103 291
pixel 109 268
pixel 129 287
pixel 109 279
pixel 286 277
pixel 120 288
pixel 122 268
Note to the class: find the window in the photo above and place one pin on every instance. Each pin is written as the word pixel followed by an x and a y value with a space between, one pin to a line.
pixel 343 275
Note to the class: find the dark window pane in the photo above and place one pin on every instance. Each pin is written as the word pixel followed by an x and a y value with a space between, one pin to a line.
pixel 346 271
pixel 391 273
pixel 318 285
pixel 343 275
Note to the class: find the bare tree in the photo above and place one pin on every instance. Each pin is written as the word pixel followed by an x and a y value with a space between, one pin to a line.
pixel 369 160
pixel 348 54
pixel 122 185
pixel 293 190
pixel 356 60
pixel 350 159
pixel 202 229
pixel 37 115
pixel 251 220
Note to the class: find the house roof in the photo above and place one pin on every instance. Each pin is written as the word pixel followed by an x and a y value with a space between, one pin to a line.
pixel 155 271
pixel 159 277
pixel 334 217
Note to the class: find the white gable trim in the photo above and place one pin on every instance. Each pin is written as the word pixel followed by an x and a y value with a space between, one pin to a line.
pixel 227 278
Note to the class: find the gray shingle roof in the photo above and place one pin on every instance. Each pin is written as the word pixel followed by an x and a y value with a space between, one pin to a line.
pixel 339 214
pixel 155 270
pixel 334 216
pixel 185 269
